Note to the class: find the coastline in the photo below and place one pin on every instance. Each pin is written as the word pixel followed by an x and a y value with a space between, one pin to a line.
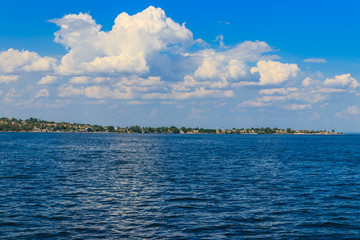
pixel 302 134
pixel 43 126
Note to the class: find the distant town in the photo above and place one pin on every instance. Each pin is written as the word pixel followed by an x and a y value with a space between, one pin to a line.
pixel 37 125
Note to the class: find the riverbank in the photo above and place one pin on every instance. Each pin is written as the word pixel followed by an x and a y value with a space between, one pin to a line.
pixel 37 125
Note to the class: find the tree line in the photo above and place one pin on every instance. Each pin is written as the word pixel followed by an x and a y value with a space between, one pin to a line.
pixel 38 125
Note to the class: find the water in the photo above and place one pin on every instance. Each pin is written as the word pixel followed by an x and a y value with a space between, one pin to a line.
pixel 129 186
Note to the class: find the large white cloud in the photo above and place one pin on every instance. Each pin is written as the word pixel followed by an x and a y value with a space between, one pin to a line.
pixel 230 64
pixel 272 72
pixel 14 60
pixel 126 48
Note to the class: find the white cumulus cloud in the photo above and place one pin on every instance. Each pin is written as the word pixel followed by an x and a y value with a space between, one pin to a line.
pixel 230 64
pixel 47 80
pixel 126 48
pixel 14 60
pixel 272 72
pixel 307 82
pixel 344 80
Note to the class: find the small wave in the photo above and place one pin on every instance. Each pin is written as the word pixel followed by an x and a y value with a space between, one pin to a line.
pixel 325 225
pixel 185 199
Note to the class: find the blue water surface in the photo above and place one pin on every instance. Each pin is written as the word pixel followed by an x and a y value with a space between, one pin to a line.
pixel 173 186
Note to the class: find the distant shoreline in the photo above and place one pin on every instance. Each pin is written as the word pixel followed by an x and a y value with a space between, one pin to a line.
pixel 37 125
pixel 305 134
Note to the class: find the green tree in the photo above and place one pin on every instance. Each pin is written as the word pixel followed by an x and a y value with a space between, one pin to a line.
pixel 174 129
pixel 135 129
pixel 183 129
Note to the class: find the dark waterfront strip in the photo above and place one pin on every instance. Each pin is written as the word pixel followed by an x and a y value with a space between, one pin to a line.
pixel 37 125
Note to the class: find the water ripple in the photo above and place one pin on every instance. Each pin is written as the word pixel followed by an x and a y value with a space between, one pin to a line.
pixel 119 186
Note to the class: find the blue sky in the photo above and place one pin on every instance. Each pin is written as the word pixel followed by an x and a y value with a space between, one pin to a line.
pixel 234 64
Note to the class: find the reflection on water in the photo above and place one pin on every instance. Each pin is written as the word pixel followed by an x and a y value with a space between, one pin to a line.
pixel 84 186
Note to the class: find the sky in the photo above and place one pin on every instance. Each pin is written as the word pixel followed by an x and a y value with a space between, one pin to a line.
pixel 211 64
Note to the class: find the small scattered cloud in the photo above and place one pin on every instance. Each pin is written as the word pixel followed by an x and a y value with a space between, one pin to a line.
pixel 306 82
pixel 137 102
pixel 197 93
pixel 168 102
pixel 104 92
pixel 352 110
pixel 47 80
pixel 42 93
pixel 69 91
pixel 154 112
pixel 315 60
pixel 202 43
pixel 224 22
pixel 344 80
pixel 198 114
pixel 79 80
pixel 253 103
pixel 151 81
pixel 8 78
pixel 100 79
pixel 349 113
pixel 297 106
pixel 282 91
pixel 220 39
